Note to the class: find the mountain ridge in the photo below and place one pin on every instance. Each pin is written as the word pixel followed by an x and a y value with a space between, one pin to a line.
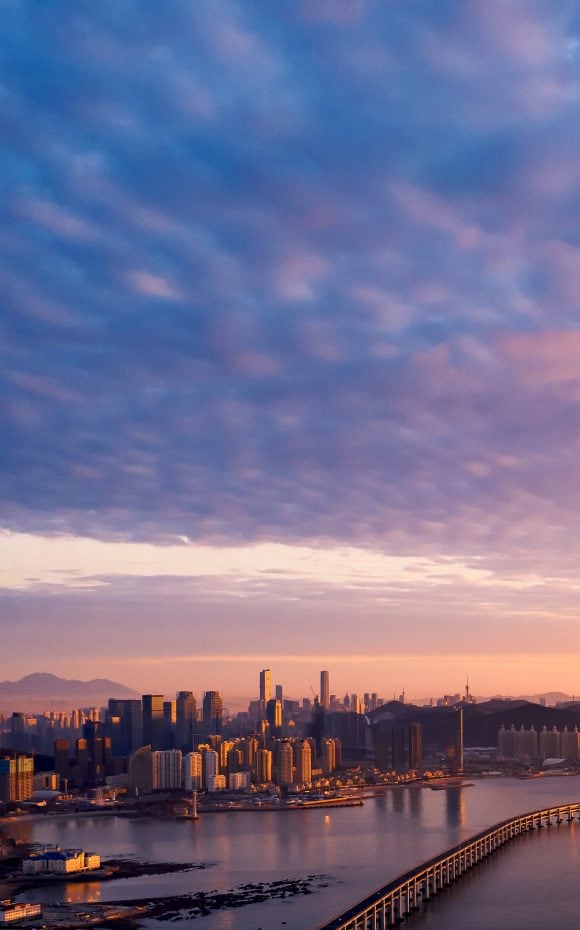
pixel 45 691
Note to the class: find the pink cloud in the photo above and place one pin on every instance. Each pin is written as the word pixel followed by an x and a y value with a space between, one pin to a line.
pixel 257 364
pixel 152 285
pixel 513 30
pixel 429 210
pixel 297 274
pixel 543 359
pixel 389 310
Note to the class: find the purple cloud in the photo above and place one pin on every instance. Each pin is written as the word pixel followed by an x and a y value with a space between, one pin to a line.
pixel 304 272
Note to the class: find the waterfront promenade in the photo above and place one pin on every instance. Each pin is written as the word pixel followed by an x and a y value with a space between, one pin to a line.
pixel 403 895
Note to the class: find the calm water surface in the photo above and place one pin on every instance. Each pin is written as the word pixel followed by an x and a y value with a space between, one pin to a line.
pixel 527 885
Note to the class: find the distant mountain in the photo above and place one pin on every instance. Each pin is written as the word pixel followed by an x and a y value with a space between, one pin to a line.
pixel 550 697
pixel 43 691
pixel 481 722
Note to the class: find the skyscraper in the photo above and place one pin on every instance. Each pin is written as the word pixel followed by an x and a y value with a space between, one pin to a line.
pixel 274 713
pixel 454 749
pixel 284 764
pixel 131 727
pixel 302 762
pixel 324 688
pixel 328 755
pixel 212 713
pixel 398 749
pixel 141 770
pixel 263 766
pixel 153 721
pixel 169 724
pixel 265 686
pixel 415 746
pixel 186 724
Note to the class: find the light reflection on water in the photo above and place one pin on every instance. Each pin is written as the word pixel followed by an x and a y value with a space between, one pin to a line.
pixel 360 848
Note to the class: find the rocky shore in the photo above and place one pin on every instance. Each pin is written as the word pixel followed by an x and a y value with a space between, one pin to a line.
pixel 202 903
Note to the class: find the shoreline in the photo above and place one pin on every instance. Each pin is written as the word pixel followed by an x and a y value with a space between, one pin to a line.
pixel 111 870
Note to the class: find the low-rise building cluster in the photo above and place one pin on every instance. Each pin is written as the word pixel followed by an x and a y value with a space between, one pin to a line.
pixel 12 913
pixel 61 861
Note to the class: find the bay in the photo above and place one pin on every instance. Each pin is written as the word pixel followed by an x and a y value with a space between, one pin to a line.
pixel 356 849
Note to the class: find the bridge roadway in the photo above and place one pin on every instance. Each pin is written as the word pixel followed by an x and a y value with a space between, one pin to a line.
pixel 399 898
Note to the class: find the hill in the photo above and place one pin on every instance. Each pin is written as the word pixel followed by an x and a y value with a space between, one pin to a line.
pixel 44 691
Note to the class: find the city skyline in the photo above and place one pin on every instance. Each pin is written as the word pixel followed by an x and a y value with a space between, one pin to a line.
pixel 290 344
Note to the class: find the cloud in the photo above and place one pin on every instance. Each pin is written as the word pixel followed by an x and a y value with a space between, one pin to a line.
pixel 152 285
pixel 304 302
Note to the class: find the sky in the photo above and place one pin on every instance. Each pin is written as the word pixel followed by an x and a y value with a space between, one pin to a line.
pixel 290 344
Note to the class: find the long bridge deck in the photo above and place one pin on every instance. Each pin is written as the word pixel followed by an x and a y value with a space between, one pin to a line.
pixel 400 897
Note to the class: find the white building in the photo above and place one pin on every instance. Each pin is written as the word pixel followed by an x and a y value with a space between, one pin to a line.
pixel 10 912
pixel 216 783
pixel 238 780
pixel 61 860
pixel 166 769
pixel 210 766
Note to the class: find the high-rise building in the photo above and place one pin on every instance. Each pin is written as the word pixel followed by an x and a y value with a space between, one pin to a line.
pixel 235 760
pixel 570 743
pixel 169 724
pixel 16 777
pixel 278 694
pixel 210 766
pixel 223 749
pixel 302 762
pixel 249 748
pixel 265 686
pixel 519 744
pixel 153 721
pixel 415 746
pixel 263 766
pixel 186 722
pixel 166 769
pixel 82 760
pixel 274 713
pixel 192 773
pixel 216 783
pixel 141 770
pixel 398 749
pixel 284 764
pixel 549 743
pixel 454 749
pixel 324 688
pixel 212 713
pixel 328 755
pixel 61 757
pixel 130 733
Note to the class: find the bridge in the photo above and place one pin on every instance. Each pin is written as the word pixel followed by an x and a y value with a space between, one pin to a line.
pixel 399 898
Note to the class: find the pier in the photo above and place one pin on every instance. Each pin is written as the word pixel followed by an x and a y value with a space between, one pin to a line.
pixel 400 898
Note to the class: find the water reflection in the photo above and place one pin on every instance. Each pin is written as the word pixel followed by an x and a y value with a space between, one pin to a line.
pixel 80 892
pixel 455 807
pixel 399 801
pixel 416 802
pixel 360 848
